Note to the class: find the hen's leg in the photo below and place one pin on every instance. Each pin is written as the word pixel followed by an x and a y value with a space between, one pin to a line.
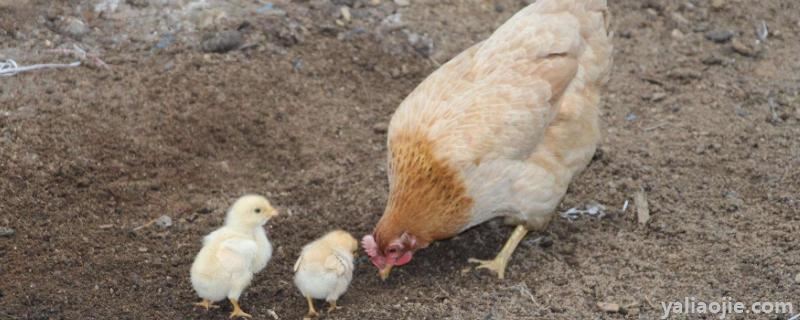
pixel 311 311
pixel 498 264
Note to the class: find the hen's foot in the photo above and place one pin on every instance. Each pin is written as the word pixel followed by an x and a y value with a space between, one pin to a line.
pixel 499 263
pixel 496 265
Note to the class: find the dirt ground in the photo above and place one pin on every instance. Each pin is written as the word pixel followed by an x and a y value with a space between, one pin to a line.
pixel 180 125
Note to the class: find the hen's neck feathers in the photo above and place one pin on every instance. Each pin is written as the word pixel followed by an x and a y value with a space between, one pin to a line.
pixel 427 197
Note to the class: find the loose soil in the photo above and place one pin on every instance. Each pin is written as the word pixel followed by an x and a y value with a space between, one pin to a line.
pixel 711 133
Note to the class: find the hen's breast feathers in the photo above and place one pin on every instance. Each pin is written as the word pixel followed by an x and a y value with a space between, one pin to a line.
pixel 496 99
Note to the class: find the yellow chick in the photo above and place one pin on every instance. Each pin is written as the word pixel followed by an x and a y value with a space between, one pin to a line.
pixel 233 253
pixel 325 268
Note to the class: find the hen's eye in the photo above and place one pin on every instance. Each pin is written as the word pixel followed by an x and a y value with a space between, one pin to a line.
pixel 258 210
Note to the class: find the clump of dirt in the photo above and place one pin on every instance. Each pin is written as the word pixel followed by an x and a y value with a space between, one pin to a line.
pixel 296 109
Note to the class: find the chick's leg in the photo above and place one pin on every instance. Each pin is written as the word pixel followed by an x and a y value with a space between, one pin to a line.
pixel 498 264
pixel 333 306
pixel 237 311
pixel 206 304
pixel 311 311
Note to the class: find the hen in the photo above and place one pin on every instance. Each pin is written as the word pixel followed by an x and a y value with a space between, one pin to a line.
pixel 498 131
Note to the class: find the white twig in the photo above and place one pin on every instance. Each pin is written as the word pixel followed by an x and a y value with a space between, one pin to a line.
pixel 795 317
pixel 625 206
pixel 10 67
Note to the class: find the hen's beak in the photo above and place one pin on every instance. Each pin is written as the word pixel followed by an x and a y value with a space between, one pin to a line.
pixel 384 273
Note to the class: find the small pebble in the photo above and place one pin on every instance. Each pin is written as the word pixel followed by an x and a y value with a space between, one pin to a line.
pixel 345 14
pixel 608 307
pixel 142 249
pixel 717 4
pixel 712 60
pixel 402 3
pixel 743 49
pixel 221 42
pixel 720 36
pixel 74 27
pixel 6 232
pixel 679 18
pixel 797 278
pixel 677 34
pixel 380 127
pixel 164 221
pixel 684 74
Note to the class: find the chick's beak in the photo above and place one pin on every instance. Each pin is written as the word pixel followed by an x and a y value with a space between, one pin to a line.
pixel 271 214
pixel 384 273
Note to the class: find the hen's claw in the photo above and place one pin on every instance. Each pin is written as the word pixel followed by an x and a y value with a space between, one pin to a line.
pixel 496 265
pixel 499 263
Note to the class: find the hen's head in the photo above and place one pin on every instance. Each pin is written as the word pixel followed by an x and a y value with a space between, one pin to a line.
pixel 394 252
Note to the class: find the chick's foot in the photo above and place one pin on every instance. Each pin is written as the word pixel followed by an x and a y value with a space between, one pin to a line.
pixel 237 311
pixel 333 306
pixel 207 304
pixel 312 313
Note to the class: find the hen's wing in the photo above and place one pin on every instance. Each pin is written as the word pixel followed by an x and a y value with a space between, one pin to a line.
pixel 496 99
pixel 236 255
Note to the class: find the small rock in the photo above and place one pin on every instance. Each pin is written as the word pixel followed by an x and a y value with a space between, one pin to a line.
pixel 345 14
pixel 138 3
pixel 608 307
pixel 402 3
pixel 720 36
pixel 717 4
pixel 652 4
pixel 684 74
pixel 797 278
pixel 677 34
pixel 712 60
pixel 743 49
pixel 73 27
pixel 166 40
pixel 762 31
pixel 421 43
pixel 393 22
pixel 658 96
pixel 6 232
pixel 380 127
pixel 631 117
pixel 221 42
pixel 679 18
pixel 164 221
pixel 142 249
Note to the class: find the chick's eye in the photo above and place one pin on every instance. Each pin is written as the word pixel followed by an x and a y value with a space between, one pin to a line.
pixel 258 210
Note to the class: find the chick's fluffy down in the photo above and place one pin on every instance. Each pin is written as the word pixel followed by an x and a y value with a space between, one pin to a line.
pixel 325 267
